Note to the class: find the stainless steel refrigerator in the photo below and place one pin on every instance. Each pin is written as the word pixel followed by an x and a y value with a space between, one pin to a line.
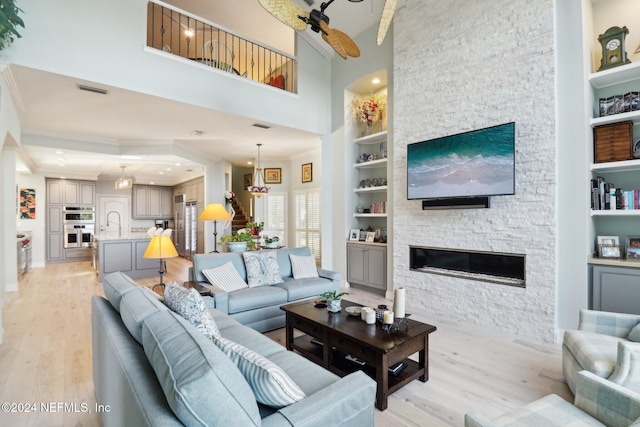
pixel 185 217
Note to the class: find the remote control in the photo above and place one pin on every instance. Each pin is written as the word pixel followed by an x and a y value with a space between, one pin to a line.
pixel 397 368
pixel 355 360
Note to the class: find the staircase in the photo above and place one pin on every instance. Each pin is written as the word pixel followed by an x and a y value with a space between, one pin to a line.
pixel 240 220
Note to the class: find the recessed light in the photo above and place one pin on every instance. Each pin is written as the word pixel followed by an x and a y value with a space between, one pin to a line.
pixel 168 169
pixel 59 152
pixel 130 157
pixel 376 81
pixel 62 165
pixel 178 164
pixel 152 183
pixel 161 173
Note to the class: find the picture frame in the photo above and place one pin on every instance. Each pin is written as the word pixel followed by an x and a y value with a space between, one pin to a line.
pixel 633 248
pixel 354 234
pixel 363 235
pixel 370 237
pixel 608 240
pixel 272 175
pixel 248 180
pixel 307 172
pixel 609 251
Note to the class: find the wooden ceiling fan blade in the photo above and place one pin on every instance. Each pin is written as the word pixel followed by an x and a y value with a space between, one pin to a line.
pixel 350 47
pixel 385 19
pixel 287 12
pixel 333 40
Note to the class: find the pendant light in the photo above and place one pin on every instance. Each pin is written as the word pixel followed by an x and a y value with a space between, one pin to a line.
pixel 257 189
pixel 124 183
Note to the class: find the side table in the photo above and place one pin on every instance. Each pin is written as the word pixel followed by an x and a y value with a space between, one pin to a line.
pixel 159 289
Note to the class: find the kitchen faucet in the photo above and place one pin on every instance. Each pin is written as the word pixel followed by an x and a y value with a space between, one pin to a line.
pixel 119 220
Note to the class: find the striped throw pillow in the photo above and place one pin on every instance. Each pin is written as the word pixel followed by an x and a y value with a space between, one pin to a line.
pixel 303 266
pixel 225 277
pixel 270 384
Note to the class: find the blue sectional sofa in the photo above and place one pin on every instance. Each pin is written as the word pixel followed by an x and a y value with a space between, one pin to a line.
pixel 153 368
pixel 259 307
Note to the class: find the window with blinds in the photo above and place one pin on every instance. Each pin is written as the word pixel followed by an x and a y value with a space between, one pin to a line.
pixel 307 220
pixel 276 216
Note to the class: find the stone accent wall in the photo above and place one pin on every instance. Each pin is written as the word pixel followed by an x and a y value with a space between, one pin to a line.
pixel 459 66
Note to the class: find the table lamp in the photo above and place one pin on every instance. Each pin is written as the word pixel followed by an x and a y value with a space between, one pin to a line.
pixel 160 247
pixel 215 212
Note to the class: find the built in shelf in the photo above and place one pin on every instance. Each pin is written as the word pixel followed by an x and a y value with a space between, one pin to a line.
pixel 371 164
pixel 375 138
pixel 370 215
pixel 614 76
pixel 378 189
pixel 622 166
pixel 613 262
pixel 633 116
pixel 618 212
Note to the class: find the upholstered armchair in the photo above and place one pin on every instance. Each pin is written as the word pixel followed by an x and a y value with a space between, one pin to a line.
pixel 606 344
pixel 598 402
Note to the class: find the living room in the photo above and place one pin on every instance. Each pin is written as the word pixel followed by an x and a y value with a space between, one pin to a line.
pixel 484 64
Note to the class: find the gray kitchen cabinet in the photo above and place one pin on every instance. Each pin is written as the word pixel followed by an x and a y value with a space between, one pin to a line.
pixel 615 289
pixel 152 202
pixel 367 265
pixel 55 235
pixel 54 193
pixel 79 193
pixel 126 255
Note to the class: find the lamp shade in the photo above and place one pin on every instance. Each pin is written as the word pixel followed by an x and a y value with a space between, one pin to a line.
pixel 160 247
pixel 214 212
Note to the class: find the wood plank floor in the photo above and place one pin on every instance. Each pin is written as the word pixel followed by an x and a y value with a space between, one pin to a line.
pixel 46 357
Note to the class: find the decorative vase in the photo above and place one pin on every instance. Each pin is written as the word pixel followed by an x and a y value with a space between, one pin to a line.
pixel 334 305
pixel 272 245
pixel 236 246
pixel 369 127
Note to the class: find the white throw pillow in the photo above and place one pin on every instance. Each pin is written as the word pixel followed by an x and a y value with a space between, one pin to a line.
pixel 189 304
pixel 262 268
pixel 270 384
pixel 225 277
pixel 634 334
pixel 303 266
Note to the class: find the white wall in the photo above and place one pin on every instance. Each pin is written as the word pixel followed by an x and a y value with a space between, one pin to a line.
pixel 485 63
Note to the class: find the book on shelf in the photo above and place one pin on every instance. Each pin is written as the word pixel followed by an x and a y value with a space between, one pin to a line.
pixel 605 196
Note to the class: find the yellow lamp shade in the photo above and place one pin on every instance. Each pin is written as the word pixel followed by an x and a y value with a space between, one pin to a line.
pixel 160 247
pixel 214 212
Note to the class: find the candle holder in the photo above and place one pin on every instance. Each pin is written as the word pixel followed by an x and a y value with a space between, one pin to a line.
pixel 399 326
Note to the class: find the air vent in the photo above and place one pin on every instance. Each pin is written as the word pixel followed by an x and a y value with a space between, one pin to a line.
pixel 258 125
pixel 197 133
pixel 93 89
pixel 309 2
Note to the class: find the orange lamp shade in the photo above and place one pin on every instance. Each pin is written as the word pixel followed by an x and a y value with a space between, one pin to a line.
pixel 160 247
pixel 214 212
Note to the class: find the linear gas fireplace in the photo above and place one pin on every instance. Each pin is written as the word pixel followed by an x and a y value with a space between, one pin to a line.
pixel 495 267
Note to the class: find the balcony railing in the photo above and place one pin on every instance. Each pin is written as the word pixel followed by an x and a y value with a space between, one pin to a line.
pixel 183 35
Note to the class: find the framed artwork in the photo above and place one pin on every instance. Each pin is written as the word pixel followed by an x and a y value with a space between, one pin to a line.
pixel 27 203
pixel 608 240
pixel 354 234
pixel 248 180
pixel 633 248
pixel 272 175
pixel 307 172
pixel 370 237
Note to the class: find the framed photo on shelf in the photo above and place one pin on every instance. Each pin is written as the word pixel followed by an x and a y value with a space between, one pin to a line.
pixel 370 237
pixel 307 172
pixel 609 251
pixel 608 240
pixel 363 235
pixel 633 248
pixel 273 175
pixel 354 234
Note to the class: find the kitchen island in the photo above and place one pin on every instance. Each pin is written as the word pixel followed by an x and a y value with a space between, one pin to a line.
pixel 123 252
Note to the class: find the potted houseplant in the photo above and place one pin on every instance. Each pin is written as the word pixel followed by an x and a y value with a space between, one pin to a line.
pixel 255 227
pixel 271 242
pixel 333 300
pixel 238 242
pixel 9 21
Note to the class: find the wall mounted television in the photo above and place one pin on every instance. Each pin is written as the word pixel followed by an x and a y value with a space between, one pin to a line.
pixel 479 163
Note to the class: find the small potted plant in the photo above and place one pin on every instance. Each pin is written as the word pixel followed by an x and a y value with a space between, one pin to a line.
pixel 238 242
pixel 333 300
pixel 271 242
pixel 255 227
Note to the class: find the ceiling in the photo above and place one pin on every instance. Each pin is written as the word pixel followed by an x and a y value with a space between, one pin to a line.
pixel 150 134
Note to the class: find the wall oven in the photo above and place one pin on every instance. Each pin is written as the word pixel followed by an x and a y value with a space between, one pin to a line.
pixel 79 215
pixel 78 235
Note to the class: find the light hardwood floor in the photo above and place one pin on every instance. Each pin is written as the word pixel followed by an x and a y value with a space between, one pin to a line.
pixel 46 357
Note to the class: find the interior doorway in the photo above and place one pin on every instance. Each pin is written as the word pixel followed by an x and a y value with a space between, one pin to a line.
pixel 113 214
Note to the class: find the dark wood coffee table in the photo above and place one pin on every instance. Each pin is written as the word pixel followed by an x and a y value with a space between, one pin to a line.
pixel 330 337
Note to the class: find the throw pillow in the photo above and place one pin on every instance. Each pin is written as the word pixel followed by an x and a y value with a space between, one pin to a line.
pixel 634 334
pixel 225 277
pixel 303 266
pixel 189 304
pixel 270 384
pixel 262 268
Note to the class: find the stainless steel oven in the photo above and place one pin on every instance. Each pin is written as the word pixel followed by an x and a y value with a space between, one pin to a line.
pixel 78 235
pixel 79 215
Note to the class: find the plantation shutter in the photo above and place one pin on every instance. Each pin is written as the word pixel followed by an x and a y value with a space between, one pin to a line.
pixel 307 220
pixel 276 216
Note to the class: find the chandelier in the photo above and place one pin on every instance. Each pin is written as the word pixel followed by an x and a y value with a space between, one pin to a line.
pixel 257 189
pixel 124 183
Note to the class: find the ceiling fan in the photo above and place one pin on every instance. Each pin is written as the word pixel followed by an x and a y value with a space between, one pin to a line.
pixel 292 15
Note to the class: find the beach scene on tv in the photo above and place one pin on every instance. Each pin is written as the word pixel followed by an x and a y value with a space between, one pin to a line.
pixel 477 163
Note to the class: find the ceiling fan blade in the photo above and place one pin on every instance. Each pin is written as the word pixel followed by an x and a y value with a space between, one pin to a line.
pixel 287 12
pixel 385 19
pixel 332 39
pixel 350 47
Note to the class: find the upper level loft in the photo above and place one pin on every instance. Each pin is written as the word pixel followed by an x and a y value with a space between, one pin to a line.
pixel 196 39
